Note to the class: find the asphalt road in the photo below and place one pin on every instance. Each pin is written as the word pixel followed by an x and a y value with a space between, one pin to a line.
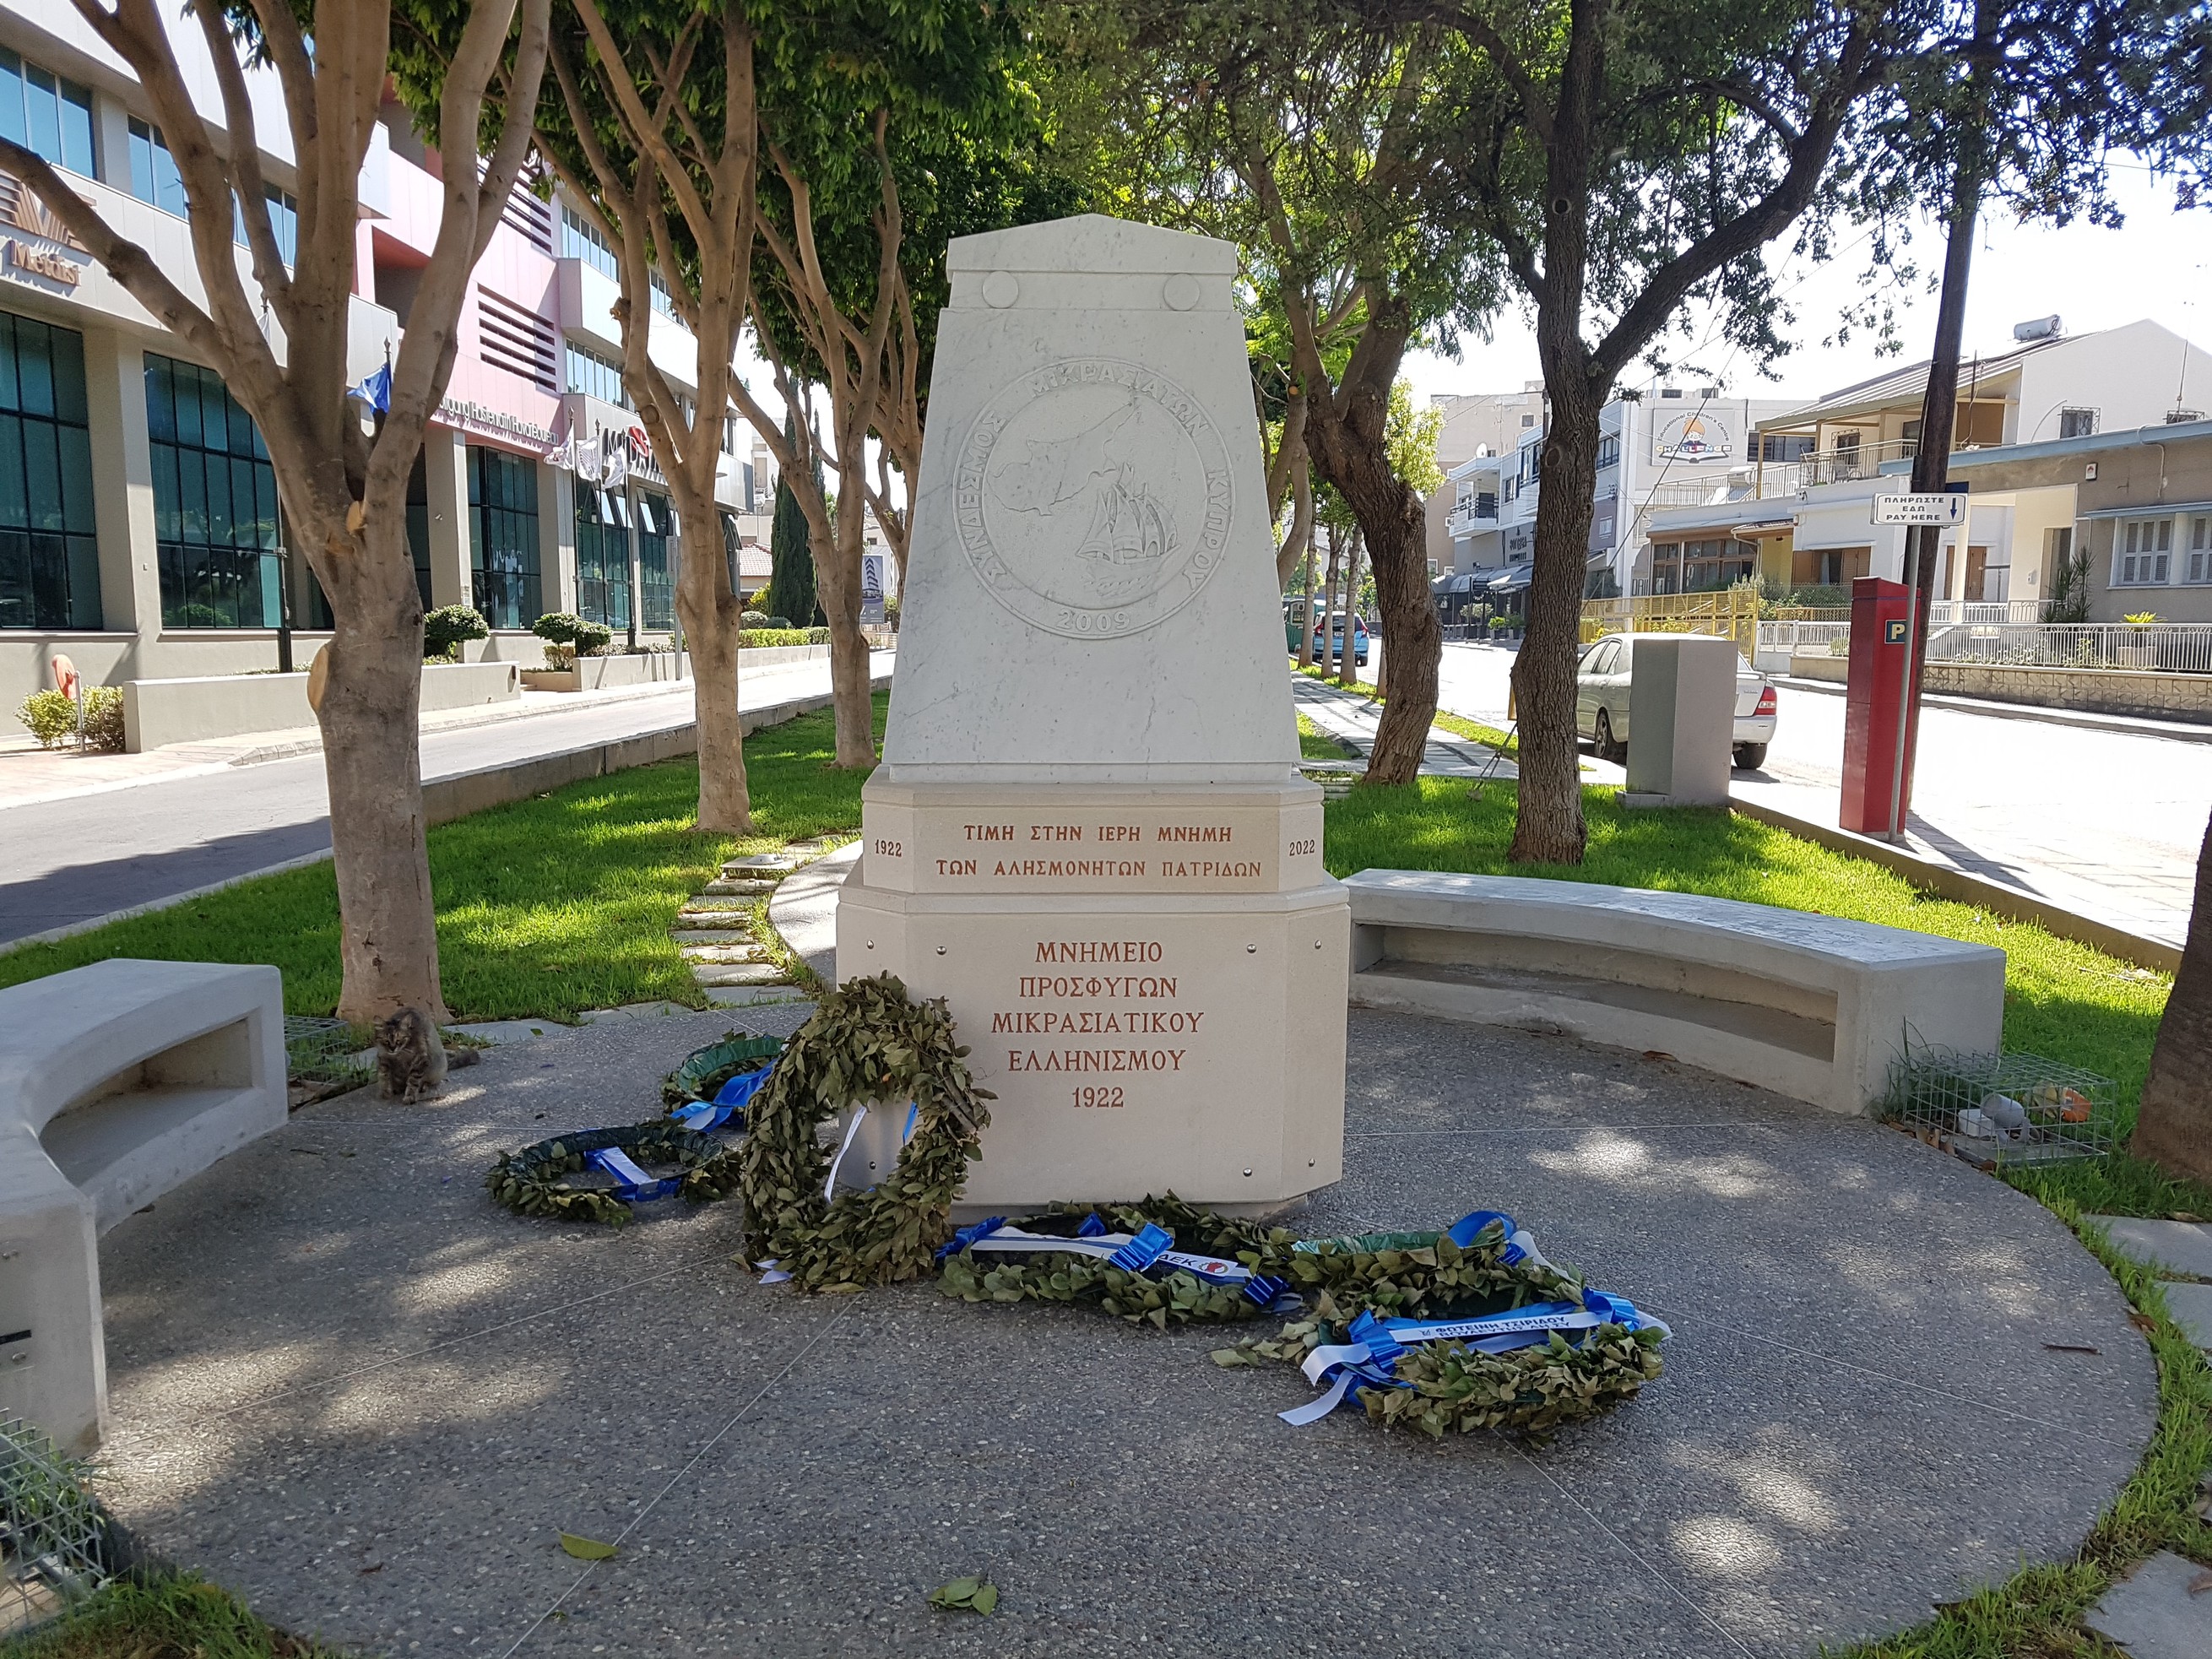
pixel 68 860
pixel 2110 821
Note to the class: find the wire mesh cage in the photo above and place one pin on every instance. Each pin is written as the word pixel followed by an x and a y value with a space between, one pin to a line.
pixel 52 1542
pixel 328 1053
pixel 2006 1108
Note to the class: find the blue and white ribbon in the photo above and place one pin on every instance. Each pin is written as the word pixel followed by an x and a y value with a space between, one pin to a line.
pixel 1371 1356
pixel 1142 1252
pixel 634 1185
pixel 1520 1246
pixel 730 1101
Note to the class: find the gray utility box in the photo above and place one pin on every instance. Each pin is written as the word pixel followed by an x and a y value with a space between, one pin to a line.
pixel 1682 721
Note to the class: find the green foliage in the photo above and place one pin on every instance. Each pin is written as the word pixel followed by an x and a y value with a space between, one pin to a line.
pixel 546 907
pixel 444 629
pixel 164 1615
pixel 704 1070
pixel 51 717
pixel 792 552
pixel 753 621
pixel 754 638
pixel 867 1041
pixel 564 627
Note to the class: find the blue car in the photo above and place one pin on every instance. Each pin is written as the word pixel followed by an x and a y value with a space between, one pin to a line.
pixel 1335 646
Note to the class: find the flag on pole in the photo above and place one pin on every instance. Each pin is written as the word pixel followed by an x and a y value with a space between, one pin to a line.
pixel 375 390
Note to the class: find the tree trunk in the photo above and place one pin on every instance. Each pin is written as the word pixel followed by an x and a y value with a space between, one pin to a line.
pixel 2175 1123
pixel 1394 526
pixel 1548 827
pixel 1347 659
pixel 1305 634
pixel 712 616
pixel 370 718
pixel 1328 598
pixel 838 596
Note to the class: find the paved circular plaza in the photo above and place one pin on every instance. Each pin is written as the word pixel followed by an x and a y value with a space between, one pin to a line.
pixel 349 1387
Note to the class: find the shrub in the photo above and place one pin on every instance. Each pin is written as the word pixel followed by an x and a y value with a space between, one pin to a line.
pixel 1500 625
pixel 575 636
pixel 891 611
pixel 51 717
pixel 754 639
pixel 818 636
pixel 444 630
pixel 777 621
pixel 753 619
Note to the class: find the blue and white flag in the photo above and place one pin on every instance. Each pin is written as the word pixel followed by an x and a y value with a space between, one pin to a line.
pixel 375 390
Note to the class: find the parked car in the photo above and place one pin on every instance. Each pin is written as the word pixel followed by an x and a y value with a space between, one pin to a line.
pixel 1335 646
pixel 1601 680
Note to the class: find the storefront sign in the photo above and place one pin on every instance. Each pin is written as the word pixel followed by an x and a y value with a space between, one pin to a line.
pixel 497 422
pixel 39 262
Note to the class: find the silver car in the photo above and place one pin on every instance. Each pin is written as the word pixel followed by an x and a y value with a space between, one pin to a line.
pixel 1601 701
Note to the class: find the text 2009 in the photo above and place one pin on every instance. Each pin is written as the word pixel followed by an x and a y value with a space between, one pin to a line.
pixel 1105 1095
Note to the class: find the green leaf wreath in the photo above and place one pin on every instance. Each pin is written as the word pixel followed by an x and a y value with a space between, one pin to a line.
pixel 867 1041
pixel 1416 1275
pixel 533 1182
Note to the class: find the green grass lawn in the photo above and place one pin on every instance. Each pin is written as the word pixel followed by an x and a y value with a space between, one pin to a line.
pixel 1314 743
pixel 1457 725
pixel 545 907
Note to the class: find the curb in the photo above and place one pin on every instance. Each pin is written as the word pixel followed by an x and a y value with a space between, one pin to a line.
pixel 1945 882
pixel 447 798
pixel 2129 725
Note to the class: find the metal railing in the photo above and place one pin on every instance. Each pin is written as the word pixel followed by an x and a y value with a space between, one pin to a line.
pixel 1475 510
pixel 2168 648
pixel 1845 462
pixel 1731 613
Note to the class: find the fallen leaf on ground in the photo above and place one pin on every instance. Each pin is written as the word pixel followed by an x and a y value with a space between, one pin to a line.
pixel 2071 1347
pixel 586 1549
pixel 976 1594
pixel 2199 1584
pixel 2185 1215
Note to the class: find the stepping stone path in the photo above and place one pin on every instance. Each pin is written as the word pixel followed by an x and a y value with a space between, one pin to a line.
pixel 2180 1254
pixel 714 930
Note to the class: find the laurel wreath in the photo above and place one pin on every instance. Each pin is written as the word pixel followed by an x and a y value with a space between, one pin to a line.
pixel 533 1182
pixel 1419 1275
pixel 866 1041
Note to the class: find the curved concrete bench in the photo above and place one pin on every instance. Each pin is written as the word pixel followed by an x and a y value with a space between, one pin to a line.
pixel 1805 1005
pixel 118 1082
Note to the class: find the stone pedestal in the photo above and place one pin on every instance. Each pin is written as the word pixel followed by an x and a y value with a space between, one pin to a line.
pixel 1089 834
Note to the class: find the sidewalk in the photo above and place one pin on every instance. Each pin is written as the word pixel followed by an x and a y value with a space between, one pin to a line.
pixel 29 774
pixel 1355 719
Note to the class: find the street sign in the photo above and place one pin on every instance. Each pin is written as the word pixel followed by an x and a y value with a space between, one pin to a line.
pixel 1925 508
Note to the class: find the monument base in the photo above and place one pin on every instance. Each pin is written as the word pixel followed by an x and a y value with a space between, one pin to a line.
pixel 1137 1042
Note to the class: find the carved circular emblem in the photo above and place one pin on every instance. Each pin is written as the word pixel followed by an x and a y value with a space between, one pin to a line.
pixel 1094 498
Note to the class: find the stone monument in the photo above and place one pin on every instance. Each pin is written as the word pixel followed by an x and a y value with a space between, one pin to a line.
pixel 1089 833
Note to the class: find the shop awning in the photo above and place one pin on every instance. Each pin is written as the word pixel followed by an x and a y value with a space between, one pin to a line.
pixel 1512 581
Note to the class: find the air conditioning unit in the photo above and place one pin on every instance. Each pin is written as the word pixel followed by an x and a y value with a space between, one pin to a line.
pixel 2038 328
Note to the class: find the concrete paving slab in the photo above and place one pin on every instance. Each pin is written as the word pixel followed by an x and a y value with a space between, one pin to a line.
pixel 683 933
pixel 2153 1615
pixel 633 1010
pixel 748 970
pixel 749 996
pixel 2186 1246
pixel 2191 1307
pixel 325 1363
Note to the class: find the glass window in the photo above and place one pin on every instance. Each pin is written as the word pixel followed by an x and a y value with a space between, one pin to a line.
pixel 602 562
pixel 154 175
pixel 47 113
pixel 284 224
pixel 582 240
pixel 2200 549
pixel 49 554
pixel 594 376
pixel 504 536
pixel 215 522
pixel 656 563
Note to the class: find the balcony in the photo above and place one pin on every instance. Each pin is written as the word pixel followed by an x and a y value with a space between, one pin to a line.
pixel 1476 512
pixel 1775 480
